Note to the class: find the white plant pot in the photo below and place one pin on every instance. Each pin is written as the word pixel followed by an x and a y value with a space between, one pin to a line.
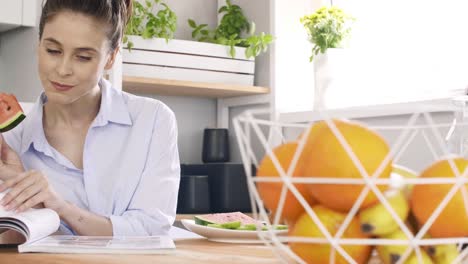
pixel 328 68
pixel 187 61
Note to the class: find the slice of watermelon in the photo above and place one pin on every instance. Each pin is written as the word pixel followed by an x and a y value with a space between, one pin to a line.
pixel 223 218
pixel 11 113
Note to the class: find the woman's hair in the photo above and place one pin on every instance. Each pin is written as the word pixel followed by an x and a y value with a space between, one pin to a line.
pixel 115 13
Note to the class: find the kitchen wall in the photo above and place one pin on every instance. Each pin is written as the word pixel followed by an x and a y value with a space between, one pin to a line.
pixel 18 54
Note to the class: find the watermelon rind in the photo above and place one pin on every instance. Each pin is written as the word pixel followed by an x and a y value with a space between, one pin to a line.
pixel 12 122
pixel 230 225
pixel 200 221
pixel 214 225
pixel 249 227
pixel 281 227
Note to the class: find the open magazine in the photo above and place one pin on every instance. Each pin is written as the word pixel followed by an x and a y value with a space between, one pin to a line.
pixel 39 225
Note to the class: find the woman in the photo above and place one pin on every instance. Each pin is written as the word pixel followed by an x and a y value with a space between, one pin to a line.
pixel 104 160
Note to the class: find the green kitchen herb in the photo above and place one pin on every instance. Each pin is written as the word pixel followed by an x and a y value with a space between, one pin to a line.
pixel 148 23
pixel 233 30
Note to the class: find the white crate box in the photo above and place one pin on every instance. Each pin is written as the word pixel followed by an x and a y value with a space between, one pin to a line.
pixel 187 61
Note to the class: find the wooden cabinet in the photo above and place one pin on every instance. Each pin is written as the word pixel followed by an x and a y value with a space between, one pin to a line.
pixel 16 13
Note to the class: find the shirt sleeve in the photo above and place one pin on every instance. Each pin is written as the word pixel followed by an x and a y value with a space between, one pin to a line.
pixel 13 138
pixel 153 206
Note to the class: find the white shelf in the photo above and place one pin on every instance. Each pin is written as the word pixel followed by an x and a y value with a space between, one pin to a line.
pixel 187 88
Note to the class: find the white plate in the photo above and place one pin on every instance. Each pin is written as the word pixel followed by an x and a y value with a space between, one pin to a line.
pixel 227 235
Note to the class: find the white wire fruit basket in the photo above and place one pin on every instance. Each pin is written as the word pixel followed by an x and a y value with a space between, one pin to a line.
pixel 257 135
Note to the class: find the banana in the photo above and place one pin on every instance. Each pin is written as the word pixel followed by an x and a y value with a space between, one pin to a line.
pixel 443 254
pixel 391 254
pixel 377 220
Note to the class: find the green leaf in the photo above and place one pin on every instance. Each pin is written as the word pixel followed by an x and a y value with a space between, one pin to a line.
pixel 223 9
pixel 195 33
pixel 130 46
pixel 252 29
pixel 192 23
pixel 232 52
pixel 248 53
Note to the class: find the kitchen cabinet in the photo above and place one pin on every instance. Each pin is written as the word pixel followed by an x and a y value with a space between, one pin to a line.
pixel 17 13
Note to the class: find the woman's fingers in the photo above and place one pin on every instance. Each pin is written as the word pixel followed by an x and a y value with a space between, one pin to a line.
pixel 28 190
pixel 23 197
pixel 22 188
pixel 13 181
pixel 33 201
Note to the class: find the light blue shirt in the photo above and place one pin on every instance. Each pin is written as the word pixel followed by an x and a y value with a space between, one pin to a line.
pixel 131 167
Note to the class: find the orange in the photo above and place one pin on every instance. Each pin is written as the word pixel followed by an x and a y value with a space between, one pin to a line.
pixel 325 157
pixel 270 192
pixel 320 253
pixel 425 198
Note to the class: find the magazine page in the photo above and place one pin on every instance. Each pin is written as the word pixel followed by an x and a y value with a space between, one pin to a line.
pixel 37 223
pixel 101 245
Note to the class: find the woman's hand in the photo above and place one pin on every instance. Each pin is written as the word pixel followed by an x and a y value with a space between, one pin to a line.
pixel 10 162
pixel 30 189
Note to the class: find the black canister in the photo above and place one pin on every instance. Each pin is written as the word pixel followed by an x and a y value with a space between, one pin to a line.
pixel 194 195
pixel 215 145
pixel 228 185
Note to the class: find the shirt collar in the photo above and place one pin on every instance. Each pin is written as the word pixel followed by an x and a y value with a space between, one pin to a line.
pixel 113 109
pixel 113 106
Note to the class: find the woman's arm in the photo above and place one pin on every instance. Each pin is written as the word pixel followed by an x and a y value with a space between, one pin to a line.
pixel 84 222
pixel 31 188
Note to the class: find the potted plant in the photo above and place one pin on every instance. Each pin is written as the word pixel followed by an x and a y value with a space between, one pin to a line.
pixel 328 29
pixel 146 23
pixel 151 52
pixel 233 30
pixel 234 41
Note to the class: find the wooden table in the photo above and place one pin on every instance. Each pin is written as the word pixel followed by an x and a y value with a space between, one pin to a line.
pixel 188 251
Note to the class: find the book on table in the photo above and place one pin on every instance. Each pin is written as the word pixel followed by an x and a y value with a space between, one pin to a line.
pixel 39 229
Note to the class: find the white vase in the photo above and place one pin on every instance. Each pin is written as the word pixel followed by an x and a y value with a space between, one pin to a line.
pixel 328 67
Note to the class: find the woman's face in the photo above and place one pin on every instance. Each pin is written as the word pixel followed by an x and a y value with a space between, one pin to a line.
pixel 73 54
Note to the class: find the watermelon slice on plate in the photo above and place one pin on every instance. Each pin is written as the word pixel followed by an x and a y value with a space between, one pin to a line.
pixel 234 220
pixel 11 113
pixel 223 218
pixel 222 229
